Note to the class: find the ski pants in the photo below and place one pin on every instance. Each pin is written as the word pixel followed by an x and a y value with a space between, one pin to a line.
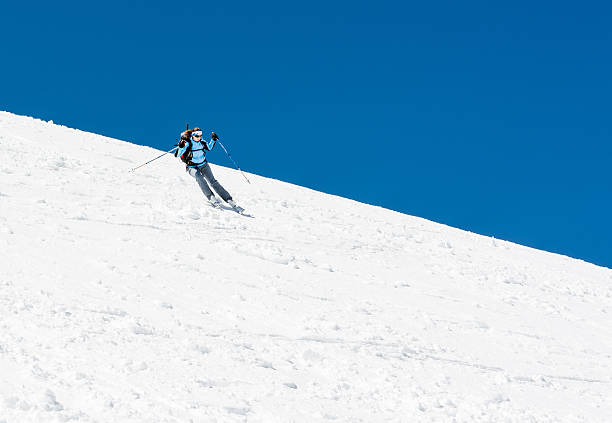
pixel 203 174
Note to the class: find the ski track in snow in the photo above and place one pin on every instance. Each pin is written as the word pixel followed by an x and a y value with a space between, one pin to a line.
pixel 124 297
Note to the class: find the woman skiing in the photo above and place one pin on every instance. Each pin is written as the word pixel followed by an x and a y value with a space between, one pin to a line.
pixel 192 151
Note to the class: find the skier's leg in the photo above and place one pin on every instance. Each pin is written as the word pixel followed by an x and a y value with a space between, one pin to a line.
pixel 207 172
pixel 197 174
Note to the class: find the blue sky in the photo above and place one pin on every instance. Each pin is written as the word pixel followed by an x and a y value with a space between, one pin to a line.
pixel 493 118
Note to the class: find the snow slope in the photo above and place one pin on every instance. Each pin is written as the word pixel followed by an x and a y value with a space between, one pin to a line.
pixel 124 297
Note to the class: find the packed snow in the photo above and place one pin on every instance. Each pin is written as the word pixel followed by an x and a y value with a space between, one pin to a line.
pixel 125 297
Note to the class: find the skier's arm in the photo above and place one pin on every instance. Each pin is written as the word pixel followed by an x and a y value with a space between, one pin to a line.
pixel 184 150
pixel 181 150
pixel 210 144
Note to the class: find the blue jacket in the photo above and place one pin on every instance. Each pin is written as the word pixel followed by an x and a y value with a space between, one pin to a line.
pixel 198 151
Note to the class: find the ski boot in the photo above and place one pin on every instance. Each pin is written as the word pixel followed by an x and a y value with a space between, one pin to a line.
pixel 235 206
pixel 214 201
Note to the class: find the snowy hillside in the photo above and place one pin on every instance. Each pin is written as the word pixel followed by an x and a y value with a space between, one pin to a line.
pixel 124 297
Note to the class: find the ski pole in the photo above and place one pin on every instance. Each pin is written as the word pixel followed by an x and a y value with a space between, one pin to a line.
pixel 235 164
pixel 161 155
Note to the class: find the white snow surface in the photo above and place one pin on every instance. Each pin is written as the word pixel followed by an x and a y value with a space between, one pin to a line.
pixel 125 297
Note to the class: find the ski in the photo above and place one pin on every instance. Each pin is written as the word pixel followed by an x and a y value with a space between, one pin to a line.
pixel 241 211
pixel 235 208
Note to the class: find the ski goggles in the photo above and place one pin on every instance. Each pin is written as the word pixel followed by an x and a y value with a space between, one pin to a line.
pixel 196 134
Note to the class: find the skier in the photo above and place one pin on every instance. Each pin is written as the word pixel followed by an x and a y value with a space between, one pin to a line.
pixel 192 151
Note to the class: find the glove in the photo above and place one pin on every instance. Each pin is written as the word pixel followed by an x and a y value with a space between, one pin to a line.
pixel 184 139
pixel 214 137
